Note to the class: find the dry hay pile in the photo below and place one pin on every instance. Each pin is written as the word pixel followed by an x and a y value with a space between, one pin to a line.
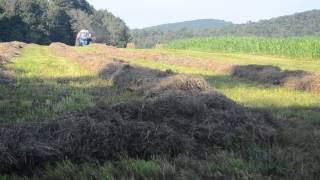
pixel 272 75
pixel 185 115
pixel 166 125
pixel 8 51
pixel 151 82
pixel 309 82
pixel 266 74
pixel 61 49
pixel 182 114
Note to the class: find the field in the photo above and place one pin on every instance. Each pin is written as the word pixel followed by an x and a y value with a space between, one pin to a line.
pixel 50 81
pixel 297 48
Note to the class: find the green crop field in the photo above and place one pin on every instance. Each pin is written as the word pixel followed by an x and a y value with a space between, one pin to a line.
pixel 298 48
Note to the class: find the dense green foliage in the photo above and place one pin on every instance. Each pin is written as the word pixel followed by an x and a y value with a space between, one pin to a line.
pixel 300 24
pixel 42 22
pixel 299 48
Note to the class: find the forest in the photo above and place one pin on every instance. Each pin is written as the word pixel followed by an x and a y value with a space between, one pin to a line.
pixel 43 22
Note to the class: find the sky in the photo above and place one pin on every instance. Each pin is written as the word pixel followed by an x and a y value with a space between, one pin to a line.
pixel 145 13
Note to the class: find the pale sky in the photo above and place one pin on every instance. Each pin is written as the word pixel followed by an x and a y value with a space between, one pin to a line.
pixel 144 13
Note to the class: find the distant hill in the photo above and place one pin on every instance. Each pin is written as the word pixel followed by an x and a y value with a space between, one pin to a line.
pixel 199 24
pixel 299 24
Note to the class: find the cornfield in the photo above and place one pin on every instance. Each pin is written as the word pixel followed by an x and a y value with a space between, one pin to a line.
pixel 297 48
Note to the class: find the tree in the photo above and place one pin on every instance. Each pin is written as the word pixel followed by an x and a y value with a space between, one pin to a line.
pixel 43 22
pixel 118 31
pixel 33 13
pixel 82 5
pixel 59 26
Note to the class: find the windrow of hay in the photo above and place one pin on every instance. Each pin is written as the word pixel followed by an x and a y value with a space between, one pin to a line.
pixel 8 51
pixel 167 125
pixel 151 82
pixel 309 82
pixel 181 114
pixel 271 75
pixel 266 74
pixel 141 80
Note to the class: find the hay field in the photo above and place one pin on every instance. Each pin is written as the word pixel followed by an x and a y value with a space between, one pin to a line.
pixel 50 85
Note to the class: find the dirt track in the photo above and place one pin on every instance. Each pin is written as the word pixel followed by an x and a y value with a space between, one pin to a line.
pixel 265 74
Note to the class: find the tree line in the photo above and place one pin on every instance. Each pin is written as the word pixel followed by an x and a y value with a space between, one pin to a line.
pixel 46 21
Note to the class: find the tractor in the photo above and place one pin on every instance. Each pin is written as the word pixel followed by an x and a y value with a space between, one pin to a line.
pixel 84 37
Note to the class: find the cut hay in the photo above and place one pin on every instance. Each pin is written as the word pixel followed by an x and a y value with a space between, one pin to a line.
pixel 265 73
pixel 308 83
pixel 100 60
pixel 8 51
pixel 151 82
pixel 168 125
pixel 271 75
pixel 181 114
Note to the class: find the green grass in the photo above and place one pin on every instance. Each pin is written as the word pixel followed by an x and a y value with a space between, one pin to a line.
pixel 284 102
pixel 47 85
pixel 240 59
pixel 296 154
pixel 157 168
pixel 297 48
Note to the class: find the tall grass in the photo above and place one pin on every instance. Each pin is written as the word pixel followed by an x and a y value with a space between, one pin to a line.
pixel 297 48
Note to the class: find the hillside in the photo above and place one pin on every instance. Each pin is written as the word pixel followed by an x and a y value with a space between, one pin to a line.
pixel 199 24
pixel 299 24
